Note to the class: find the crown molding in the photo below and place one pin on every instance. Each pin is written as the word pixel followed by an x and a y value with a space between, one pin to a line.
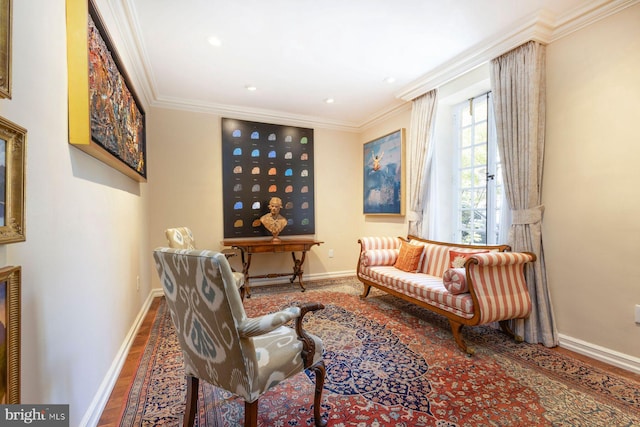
pixel 542 27
pixel 536 27
pixel 587 14
pixel 125 21
pixel 253 114
pixel 123 29
pixel 384 115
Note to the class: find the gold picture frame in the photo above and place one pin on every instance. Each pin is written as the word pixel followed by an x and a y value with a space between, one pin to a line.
pixel 13 141
pixel 106 117
pixel 5 48
pixel 10 317
pixel 384 175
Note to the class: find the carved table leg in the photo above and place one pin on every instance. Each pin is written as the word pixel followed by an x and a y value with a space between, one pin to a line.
pixel 245 270
pixel 297 268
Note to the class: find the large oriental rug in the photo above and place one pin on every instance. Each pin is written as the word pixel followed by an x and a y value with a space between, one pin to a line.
pixel 390 363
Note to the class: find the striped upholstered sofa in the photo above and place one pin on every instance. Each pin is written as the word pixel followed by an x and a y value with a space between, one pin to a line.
pixel 469 284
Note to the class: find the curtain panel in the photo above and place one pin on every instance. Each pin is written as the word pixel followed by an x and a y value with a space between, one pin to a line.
pixel 518 81
pixel 423 112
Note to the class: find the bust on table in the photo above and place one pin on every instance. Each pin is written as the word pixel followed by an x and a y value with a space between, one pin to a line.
pixel 273 221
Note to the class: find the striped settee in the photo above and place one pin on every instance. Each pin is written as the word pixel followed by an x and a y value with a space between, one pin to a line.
pixel 487 286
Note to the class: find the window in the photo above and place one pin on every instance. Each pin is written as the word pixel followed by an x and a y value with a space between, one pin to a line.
pixel 478 174
pixel 465 193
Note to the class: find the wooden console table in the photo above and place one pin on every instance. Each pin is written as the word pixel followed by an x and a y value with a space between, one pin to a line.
pixel 250 247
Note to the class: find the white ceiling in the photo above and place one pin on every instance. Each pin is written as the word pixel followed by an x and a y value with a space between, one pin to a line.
pixel 297 53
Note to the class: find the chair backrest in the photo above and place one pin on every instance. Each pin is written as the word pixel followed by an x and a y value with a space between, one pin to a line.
pixel 206 308
pixel 180 238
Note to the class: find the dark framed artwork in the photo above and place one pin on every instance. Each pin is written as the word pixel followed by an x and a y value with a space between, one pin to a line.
pixel 10 315
pixel 261 161
pixel 383 172
pixel 13 141
pixel 5 47
pixel 106 118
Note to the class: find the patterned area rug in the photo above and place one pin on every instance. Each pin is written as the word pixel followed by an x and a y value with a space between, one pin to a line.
pixel 390 363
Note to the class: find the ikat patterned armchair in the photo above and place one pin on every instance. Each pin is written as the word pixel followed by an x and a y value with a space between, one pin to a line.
pixel 182 238
pixel 221 345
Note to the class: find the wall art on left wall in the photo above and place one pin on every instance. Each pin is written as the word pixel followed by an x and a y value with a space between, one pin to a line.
pixel 5 48
pixel 106 118
pixel 13 146
pixel 10 315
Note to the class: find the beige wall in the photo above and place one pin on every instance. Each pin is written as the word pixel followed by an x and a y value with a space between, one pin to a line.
pixel 591 176
pixel 185 188
pixel 85 226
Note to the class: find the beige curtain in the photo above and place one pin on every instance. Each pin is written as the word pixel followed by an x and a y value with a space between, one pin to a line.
pixel 519 83
pixel 419 159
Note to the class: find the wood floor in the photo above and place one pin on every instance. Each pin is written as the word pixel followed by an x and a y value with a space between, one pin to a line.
pixel 111 414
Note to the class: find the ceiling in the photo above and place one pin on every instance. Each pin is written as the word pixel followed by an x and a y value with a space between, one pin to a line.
pixel 299 53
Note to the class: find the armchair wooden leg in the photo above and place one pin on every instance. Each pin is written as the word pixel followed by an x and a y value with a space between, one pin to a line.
pixel 251 414
pixel 192 401
pixel 320 372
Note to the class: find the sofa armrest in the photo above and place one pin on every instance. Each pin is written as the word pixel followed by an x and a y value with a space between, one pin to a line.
pixel 497 283
pixel 501 258
pixel 377 257
pixel 386 242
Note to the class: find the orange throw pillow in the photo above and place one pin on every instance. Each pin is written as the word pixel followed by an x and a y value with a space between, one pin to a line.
pixel 457 259
pixel 409 257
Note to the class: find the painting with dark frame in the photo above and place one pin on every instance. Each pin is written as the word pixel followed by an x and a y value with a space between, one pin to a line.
pixel 260 161
pixel 13 141
pixel 115 133
pixel 10 315
pixel 383 175
pixel 5 47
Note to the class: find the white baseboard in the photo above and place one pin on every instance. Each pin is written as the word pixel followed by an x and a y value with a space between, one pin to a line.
pixel 305 278
pixel 602 354
pixel 92 416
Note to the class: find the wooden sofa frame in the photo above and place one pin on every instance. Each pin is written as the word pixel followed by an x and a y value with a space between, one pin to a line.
pixel 456 322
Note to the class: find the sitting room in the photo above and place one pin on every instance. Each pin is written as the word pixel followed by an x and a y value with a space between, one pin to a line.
pixel 317 158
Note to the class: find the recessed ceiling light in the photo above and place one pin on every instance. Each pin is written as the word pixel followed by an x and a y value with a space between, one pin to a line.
pixel 214 41
pixel 329 100
pixel 390 79
pixel 250 87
